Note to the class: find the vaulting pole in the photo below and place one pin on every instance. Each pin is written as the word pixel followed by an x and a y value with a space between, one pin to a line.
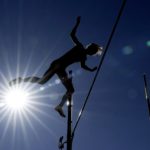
pixel 146 94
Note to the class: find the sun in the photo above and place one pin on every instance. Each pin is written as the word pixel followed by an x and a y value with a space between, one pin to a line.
pixel 20 105
pixel 16 99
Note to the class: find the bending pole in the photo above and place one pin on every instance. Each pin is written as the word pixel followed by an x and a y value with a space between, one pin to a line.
pixel 146 93
pixel 100 64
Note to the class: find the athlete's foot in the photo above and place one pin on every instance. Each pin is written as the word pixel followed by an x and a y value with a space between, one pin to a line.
pixel 15 81
pixel 60 111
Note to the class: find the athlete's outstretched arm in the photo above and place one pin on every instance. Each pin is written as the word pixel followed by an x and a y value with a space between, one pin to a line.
pixel 84 66
pixel 73 32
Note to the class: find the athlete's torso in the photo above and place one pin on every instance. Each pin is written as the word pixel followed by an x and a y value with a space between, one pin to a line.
pixel 76 54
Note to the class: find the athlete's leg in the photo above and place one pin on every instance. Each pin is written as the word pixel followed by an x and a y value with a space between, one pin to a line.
pixel 67 82
pixel 15 81
pixel 49 73
pixel 33 79
pixel 20 80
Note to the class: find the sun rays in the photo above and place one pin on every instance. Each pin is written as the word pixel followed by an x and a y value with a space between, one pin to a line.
pixel 23 104
pixel 16 99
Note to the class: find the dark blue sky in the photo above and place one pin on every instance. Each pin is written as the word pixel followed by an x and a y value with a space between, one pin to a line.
pixel 35 32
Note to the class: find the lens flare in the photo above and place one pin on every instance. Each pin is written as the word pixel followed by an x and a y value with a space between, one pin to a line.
pixel 127 50
pixel 148 43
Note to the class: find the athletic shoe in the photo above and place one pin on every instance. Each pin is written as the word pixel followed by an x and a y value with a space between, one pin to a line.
pixel 60 111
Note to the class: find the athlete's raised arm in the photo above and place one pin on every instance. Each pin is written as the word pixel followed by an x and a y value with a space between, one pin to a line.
pixel 73 32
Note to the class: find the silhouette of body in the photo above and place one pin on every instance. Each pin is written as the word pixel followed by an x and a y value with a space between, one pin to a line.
pixel 77 54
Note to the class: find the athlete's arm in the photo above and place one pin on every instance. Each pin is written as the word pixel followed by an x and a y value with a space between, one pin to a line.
pixel 73 32
pixel 84 66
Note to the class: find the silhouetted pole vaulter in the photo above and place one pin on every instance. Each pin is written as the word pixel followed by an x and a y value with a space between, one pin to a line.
pixel 146 93
pixel 78 54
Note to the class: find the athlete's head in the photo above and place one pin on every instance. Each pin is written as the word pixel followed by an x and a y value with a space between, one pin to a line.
pixel 93 49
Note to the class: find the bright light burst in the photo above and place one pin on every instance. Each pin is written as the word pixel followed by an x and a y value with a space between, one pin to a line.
pixel 20 105
pixel 16 99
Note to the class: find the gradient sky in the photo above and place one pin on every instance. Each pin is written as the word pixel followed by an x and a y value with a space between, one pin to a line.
pixel 35 32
